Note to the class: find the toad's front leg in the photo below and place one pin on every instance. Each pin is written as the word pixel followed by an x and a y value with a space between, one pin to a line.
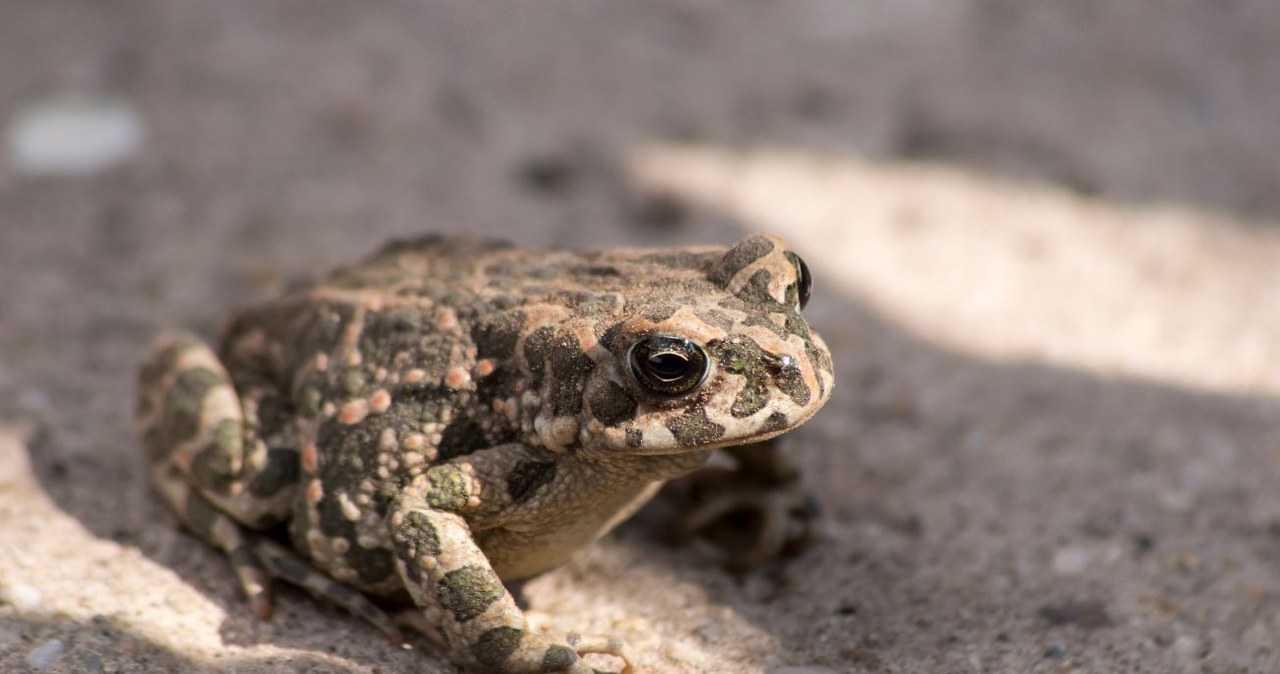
pixel 462 599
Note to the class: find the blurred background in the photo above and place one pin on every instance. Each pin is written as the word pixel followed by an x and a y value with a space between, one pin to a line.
pixel 1047 260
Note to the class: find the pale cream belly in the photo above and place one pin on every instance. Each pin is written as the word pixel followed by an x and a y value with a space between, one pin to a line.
pixel 522 549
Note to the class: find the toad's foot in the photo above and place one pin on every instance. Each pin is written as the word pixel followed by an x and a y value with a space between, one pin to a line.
pixel 412 619
pixel 596 643
pixel 783 517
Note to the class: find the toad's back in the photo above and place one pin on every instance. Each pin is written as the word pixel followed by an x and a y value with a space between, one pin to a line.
pixel 458 272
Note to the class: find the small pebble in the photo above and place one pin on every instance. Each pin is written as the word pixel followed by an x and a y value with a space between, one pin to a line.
pixel 1188 647
pixel 45 654
pixel 1070 561
pixel 72 135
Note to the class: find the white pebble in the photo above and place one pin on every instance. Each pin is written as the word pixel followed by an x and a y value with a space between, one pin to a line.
pixel 1070 561
pixel 45 654
pixel 72 135
pixel 1188 647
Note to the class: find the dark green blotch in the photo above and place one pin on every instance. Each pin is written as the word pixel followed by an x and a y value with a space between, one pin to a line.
pixel 763 321
pixel 743 356
pixel 527 477
pixel 740 257
pixel 468 591
pixel 751 399
pixel 734 355
pixel 635 437
pixel 756 290
pixel 495 646
pixel 211 466
pixel 660 312
pixel 694 429
pixel 797 326
pixel 820 361
pixel 610 336
pixel 792 384
pixel 558 659
pixel 226 438
pixel 184 401
pixel 715 318
pixel 448 489
pixel 612 404
pixel 416 537
pixel 776 422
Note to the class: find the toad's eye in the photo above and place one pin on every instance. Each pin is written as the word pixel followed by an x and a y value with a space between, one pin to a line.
pixel 804 281
pixel 667 365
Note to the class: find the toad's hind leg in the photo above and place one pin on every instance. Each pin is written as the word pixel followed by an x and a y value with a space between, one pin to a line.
pixel 257 560
pixel 216 465
pixel 282 563
pixel 219 530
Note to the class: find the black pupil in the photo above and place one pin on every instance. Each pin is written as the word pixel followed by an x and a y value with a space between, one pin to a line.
pixel 668 366
pixel 805 281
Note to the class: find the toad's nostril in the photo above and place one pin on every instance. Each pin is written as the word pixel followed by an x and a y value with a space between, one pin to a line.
pixel 783 364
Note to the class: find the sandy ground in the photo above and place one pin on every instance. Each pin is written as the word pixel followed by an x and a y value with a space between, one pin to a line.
pixel 1047 257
